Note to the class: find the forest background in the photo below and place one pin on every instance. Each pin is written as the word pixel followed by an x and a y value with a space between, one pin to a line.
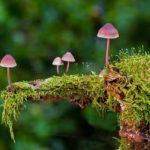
pixel 35 32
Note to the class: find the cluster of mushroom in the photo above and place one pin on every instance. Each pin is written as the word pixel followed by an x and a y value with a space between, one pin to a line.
pixel 107 31
pixel 8 62
pixel 58 61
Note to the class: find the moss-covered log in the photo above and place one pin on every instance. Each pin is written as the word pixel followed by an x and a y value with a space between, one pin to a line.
pixel 124 88
pixel 79 90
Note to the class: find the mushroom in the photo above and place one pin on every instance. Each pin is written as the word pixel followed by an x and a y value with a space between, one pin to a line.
pixel 68 57
pixel 101 74
pixel 108 31
pixel 57 62
pixel 8 62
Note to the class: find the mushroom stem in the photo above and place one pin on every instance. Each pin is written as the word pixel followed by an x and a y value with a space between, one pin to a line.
pixel 57 68
pixel 8 76
pixel 67 68
pixel 107 53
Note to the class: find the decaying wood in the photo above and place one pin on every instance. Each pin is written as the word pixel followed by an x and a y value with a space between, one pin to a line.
pixel 136 135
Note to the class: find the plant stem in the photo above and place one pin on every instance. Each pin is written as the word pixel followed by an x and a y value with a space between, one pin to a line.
pixel 8 76
pixel 107 53
pixel 67 68
pixel 57 69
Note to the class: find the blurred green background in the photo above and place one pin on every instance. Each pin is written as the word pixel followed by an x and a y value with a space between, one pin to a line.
pixel 35 32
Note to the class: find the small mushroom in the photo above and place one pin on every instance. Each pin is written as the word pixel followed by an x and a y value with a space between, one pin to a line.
pixel 57 62
pixel 8 62
pixel 68 57
pixel 108 31
pixel 101 74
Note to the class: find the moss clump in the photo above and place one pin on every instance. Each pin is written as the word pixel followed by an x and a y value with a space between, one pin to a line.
pixel 136 68
pixel 124 145
pixel 73 88
pixel 14 103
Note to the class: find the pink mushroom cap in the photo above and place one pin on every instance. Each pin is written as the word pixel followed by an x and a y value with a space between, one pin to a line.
pixel 108 31
pixel 57 61
pixel 68 57
pixel 8 61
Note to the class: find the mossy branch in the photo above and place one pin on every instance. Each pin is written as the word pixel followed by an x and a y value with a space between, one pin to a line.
pixel 124 88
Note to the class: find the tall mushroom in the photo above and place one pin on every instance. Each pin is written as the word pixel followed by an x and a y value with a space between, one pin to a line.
pixel 108 31
pixel 57 62
pixel 68 57
pixel 8 62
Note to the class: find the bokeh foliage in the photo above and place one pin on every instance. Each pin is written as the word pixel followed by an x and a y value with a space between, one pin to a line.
pixel 35 32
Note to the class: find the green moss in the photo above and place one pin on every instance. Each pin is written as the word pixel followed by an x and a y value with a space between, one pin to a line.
pixel 75 88
pixel 13 104
pixel 136 68
pixel 69 87
pixel 124 145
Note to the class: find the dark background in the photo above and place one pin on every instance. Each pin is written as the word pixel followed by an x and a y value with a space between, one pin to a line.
pixel 35 32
